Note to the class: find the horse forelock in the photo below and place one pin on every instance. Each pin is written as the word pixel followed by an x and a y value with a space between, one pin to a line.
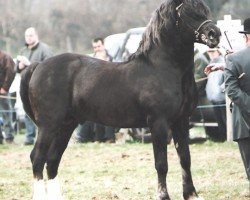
pixel 195 7
pixel 160 22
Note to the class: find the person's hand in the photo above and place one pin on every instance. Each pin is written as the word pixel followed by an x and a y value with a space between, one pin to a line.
pixel 23 62
pixel 21 65
pixel 3 91
pixel 214 67
pixel 229 52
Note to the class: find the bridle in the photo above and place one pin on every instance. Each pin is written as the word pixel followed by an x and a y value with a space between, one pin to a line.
pixel 196 31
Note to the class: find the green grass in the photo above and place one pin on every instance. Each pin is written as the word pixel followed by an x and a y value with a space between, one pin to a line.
pixel 126 172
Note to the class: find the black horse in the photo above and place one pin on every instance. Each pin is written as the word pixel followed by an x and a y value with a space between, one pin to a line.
pixel 155 88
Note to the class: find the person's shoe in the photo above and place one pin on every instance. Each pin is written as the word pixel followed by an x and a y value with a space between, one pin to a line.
pixel 26 143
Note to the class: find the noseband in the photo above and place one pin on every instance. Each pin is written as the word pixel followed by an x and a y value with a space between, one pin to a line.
pixel 196 32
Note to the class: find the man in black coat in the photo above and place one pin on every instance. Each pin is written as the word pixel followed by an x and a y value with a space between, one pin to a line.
pixel 237 83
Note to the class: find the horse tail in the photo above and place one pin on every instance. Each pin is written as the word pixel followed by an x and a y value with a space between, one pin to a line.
pixel 24 88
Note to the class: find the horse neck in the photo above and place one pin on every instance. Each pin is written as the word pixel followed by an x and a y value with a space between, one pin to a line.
pixel 175 52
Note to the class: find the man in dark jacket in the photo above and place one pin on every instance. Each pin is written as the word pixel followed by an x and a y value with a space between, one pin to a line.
pixel 91 131
pixel 34 51
pixel 7 74
pixel 237 82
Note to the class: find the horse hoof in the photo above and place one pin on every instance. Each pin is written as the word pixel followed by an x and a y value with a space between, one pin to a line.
pixel 162 196
pixel 195 198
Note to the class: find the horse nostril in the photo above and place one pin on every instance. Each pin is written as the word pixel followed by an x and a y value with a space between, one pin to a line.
pixel 211 34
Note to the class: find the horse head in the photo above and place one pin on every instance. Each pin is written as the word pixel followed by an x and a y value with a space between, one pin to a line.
pixel 192 19
pixel 179 23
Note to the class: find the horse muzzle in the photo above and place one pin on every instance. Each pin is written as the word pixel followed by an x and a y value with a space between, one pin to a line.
pixel 210 35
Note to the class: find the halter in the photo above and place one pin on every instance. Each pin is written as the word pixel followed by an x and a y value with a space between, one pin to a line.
pixel 196 32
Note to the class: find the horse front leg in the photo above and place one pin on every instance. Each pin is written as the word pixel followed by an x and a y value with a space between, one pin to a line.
pixel 181 141
pixel 159 130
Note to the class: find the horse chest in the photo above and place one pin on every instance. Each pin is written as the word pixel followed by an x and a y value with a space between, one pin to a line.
pixel 164 97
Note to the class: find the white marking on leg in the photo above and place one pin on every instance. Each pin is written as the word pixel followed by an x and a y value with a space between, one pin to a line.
pixel 54 189
pixel 39 190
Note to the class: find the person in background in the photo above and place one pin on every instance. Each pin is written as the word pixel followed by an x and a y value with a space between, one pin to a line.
pixel 90 131
pixel 7 75
pixel 201 60
pixel 34 51
pixel 215 91
pixel 237 84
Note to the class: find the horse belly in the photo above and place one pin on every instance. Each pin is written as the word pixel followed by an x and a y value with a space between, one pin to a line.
pixel 114 112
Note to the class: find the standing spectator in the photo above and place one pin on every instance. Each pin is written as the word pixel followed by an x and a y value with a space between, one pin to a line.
pixel 201 60
pixel 7 75
pixel 215 90
pixel 99 50
pixel 101 133
pixel 237 83
pixel 34 51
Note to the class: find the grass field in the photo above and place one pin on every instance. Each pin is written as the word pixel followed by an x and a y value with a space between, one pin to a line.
pixel 126 172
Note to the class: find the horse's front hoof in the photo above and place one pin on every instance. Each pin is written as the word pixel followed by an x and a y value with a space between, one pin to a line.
pixel 162 196
pixel 193 196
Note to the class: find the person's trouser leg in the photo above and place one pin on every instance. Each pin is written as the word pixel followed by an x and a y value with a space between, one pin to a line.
pixel 99 130
pixel 244 146
pixel 85 132
pixel 220 115
pixel 30 130
pixel 1 136
pixel 7 118
pixel 109 133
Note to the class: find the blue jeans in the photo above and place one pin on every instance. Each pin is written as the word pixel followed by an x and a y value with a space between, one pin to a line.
pixel 30 130
pixel 6 114
pixel 85 132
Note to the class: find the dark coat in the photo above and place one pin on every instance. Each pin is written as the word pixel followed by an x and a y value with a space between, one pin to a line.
pixel 7 71
pixel 38 53
pixel 237 82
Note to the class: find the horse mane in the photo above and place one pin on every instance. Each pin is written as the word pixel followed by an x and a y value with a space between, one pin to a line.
pixel 163 21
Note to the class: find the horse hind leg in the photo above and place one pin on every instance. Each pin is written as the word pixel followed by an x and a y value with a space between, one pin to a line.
pixel 55 153
pixel 180 132
pixel 38 158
